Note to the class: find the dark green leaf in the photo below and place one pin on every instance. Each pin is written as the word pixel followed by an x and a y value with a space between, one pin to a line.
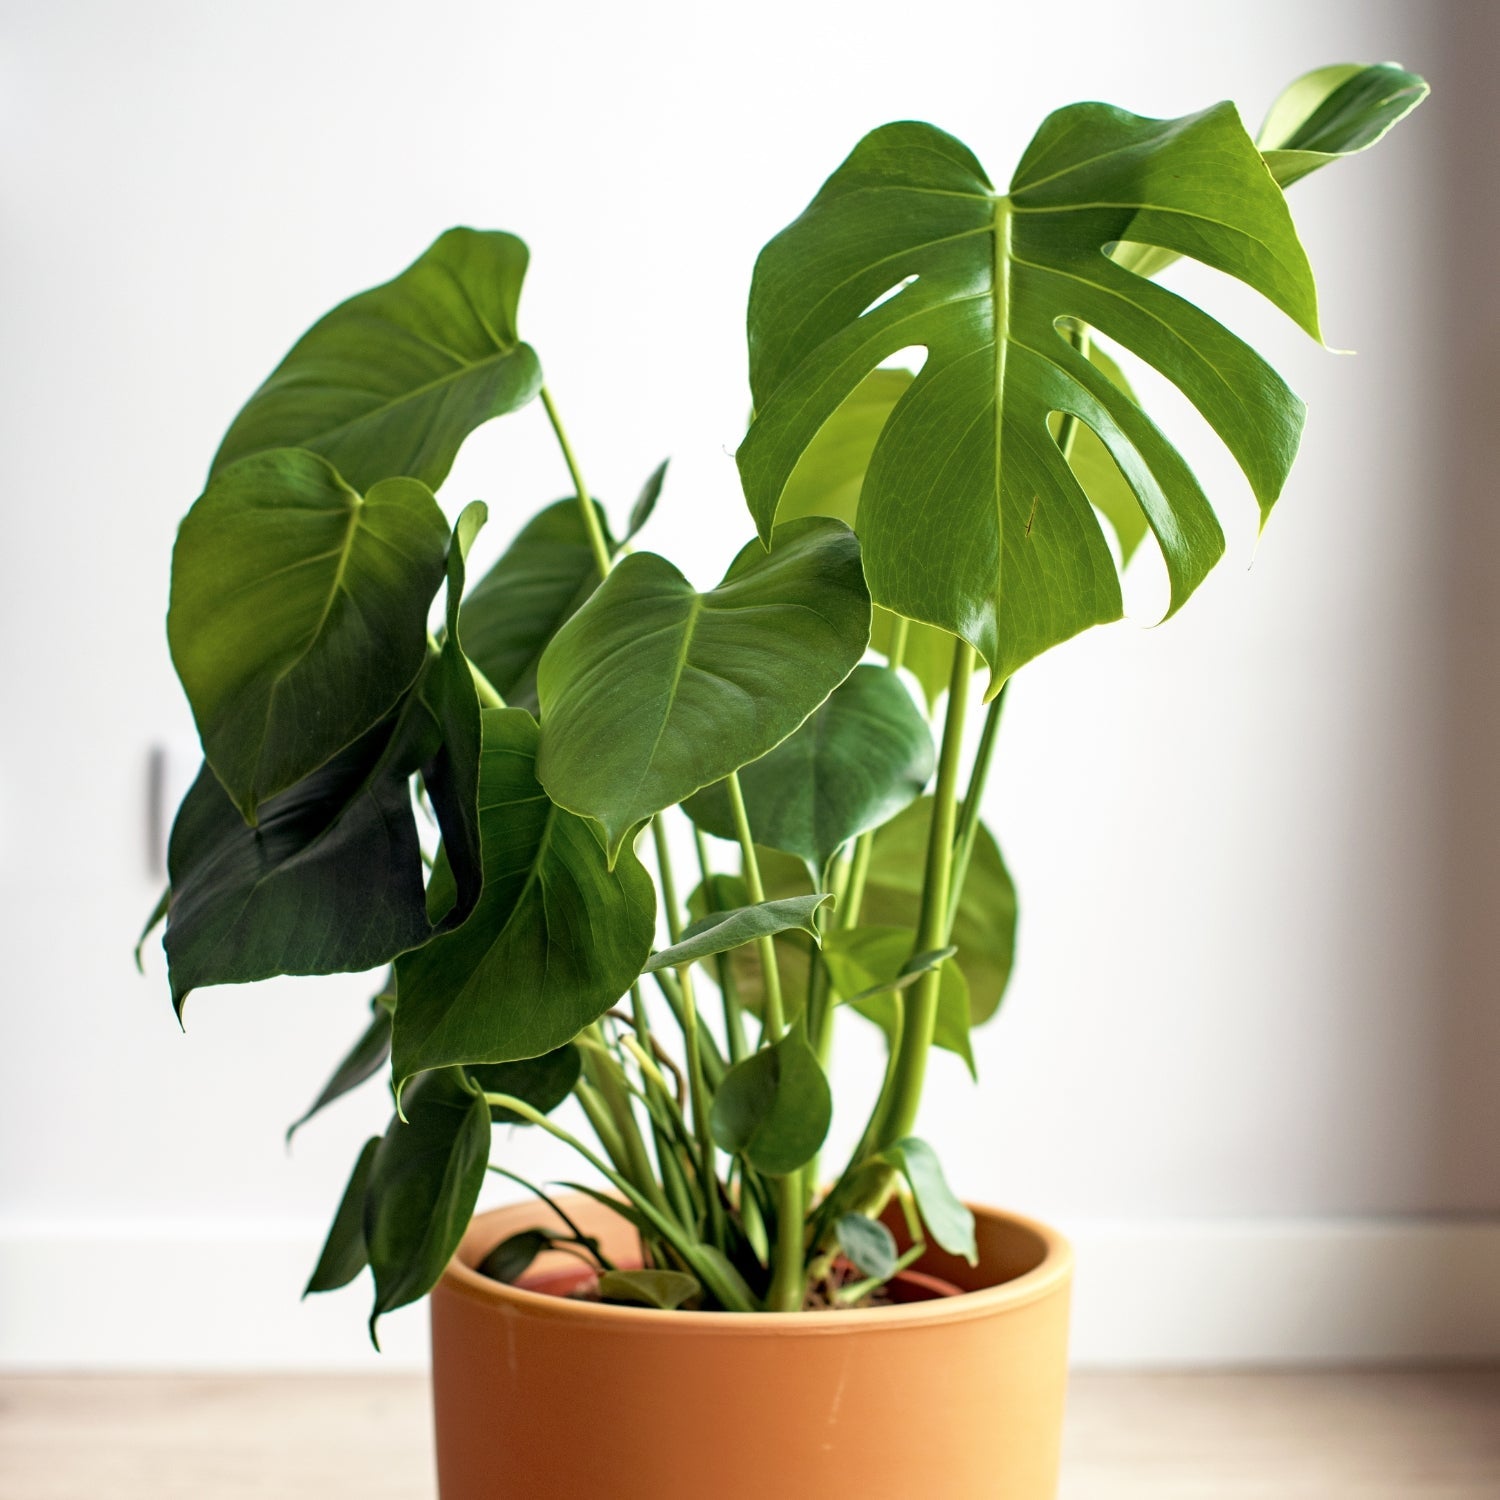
pixel 519 605
pixel 950 1224
pixel 511 1258
pixel 667 1290
pixel 298 614
pixel 645 502
pixel 393 380
pixel 744 924
pixel 774 1107
pixel 344 1254
pixel 868 1245
pixel 424 1181
pixel 862 756
pixel 542 1082
pixel 653 690
pixel 556 939
pixel 363 1060
pixel 157 917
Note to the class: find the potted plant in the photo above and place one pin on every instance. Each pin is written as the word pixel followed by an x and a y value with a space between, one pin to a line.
pixel 720 1309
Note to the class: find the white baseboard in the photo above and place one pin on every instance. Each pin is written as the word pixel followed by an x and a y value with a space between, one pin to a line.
pixel 1156 1294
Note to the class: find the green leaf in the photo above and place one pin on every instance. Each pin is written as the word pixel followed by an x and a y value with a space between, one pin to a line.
pixel 868 1245
pixel 645 502
pixel 344 1252
pixel 666 1290
pixel 868 965
pixel 785 878
pixel 984 929
pixel 362 1062
pixel 511 1258
pixel 393 380
pixel 969 518
pixel 556 938
pixel 724 930
pixel 774 1107
pixel 424 1180
pixel 862 756
pixel 519 605
pixel 653 690
pixel 157 917
pixel 542 1082
pixel 298 614
pixel 948 1221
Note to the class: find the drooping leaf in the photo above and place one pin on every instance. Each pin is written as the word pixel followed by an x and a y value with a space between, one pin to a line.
pixel 344 1253
pixel 984 929
pixel 725 930
pixel 862 756
pixel 542 1082
pixel 774 1107
pixel 948 1221
pixel 424 1180
pixel 653 690
pixel 157 917
pixel 512 1257
pixel 969 517
pixel 393 380
pixel 362 1061
pixel 556 938
pixel 868 1245
pixel 520 604
pixel 645 502
pixel 665 1290
pixel 298 614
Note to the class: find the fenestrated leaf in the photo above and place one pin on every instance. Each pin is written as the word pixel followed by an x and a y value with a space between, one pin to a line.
pixel 645 502
pixel 653 690
pixel 985 927
pixel 393 380
pixel 424 1180
pixel 666 1290
pixel 969 517
pixel 556 938
pixel 724 930
pixel 774 1107
pixel 362 1061
pixel 868 1245
pixel 950 1224
pixel 519 605
pixel 863 755
pixel 512 1257
pixel 344 1253
pixel 298 613
pixel 542 1082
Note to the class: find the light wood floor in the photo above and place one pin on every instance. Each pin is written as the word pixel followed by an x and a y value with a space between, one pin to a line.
pixel 1371 1436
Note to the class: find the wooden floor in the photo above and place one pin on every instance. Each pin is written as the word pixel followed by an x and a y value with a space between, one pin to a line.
pixel 1371 1436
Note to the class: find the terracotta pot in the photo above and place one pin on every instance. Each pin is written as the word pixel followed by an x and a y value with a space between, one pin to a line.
pixel 539 1397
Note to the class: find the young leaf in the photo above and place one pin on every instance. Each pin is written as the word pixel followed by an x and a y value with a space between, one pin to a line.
pixel 868 1245
pixel 774 1107
pixel 948 1221
pixel 542 1082
pixel 424 1180
pixel 556 939
pixel 363 1060
pixel 724 930
pixel 665 1290
pixel 969 518
pixel 645 502
pixel 344 1254
pixel 512 1257
pixel 298 614
pixel 862 756
pixel 393 380
pixel 653 690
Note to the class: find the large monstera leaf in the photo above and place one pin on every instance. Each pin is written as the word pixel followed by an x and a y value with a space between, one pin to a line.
pixel 970 518
pixel 393 380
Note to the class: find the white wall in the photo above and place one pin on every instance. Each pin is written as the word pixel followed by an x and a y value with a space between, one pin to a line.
pixel 1235 1007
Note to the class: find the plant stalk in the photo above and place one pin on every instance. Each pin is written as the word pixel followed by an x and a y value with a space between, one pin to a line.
pixel 591 526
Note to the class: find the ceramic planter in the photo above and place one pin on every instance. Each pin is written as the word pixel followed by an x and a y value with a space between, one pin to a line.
pixel 542 1398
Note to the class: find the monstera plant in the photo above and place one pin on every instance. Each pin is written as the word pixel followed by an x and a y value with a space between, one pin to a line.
pixel 479 788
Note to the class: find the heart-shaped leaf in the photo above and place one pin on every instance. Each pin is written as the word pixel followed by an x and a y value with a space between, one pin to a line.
pixel 424 1180
pixel 542 1082
pixel 969 517
pixel 393 380
pixel 556 938
pixel 774 1107
pixel 723 930
pixel 361 1063
pixel 868 1245
pixel 520 604
pixel 665 1290
pixel 862 756
pixel 950 1224
pixel 653 690
pixel 344 1253
pixel 298 614
pixel 512 1257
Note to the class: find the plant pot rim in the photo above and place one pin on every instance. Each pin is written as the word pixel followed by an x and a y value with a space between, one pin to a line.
pixel 1044 1278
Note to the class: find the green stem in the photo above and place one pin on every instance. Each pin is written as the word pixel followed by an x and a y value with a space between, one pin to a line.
pixel 734 1027
pixel 775 1016
pixel 591 526
pixel 968 818
pixel 668 884
pixel 698 1094
pixel 607 1078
